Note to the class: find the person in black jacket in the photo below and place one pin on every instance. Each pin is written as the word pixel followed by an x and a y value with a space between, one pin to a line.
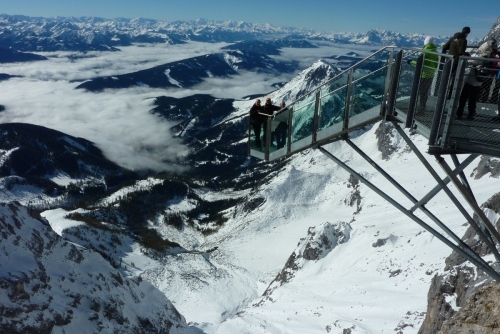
pixel 256 120
pixel 269 109
pixel 281 130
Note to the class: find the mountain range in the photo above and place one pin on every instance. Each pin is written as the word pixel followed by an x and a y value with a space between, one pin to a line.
pixel 230 244
pixel 29 34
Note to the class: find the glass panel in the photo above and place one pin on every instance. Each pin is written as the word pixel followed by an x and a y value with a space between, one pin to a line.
pixel 405 82
pixel 335 85
pixel 257 134
pixel 367 95
pixel 332 108
pixel 279 129
pixel 333 102
pixel 302 126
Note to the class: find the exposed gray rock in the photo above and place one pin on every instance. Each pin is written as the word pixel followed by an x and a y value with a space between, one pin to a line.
pixel 464 299
pixel 354 198
pixel 48 285
pixel 385 135
pixel 320 241
pixel 479 315
pixel 487 165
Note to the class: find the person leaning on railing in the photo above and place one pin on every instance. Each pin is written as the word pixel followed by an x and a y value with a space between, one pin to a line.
pixel 281 129
pixel 269 109
pixel 456 46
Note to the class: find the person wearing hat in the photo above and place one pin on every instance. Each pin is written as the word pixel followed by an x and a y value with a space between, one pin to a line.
pixel 431 62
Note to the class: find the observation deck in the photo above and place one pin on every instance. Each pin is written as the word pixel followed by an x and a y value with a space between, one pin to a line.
pixel 384 86
pixel 403 87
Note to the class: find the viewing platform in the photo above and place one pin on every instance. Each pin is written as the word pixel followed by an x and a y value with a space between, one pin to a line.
pixel 405 88
pixel 384 86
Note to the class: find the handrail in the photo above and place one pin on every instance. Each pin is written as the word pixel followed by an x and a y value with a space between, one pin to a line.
pixel 314 90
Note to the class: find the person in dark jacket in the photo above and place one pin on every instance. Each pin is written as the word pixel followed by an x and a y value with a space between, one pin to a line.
pixel 489 48
pixel 256 120
pixel 496 87
pixel 269 109
pixel 282 128
pixel 471 89
pixel 456 46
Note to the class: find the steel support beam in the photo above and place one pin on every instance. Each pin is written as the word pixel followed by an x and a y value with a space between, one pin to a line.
pixel 408 195
pixel 474 259
pixel 450 194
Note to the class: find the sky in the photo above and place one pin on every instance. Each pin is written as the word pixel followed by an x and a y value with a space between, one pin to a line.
pixel 430 17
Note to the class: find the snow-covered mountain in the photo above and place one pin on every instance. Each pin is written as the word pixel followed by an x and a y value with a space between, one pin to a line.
pixel 238 245
pixel 49 285
pixel 189 72
pixel 24 33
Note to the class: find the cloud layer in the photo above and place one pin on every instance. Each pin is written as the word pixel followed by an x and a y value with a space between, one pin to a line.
pixel 119 121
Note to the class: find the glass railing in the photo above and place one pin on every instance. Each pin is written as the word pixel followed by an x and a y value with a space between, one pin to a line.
pixel 352 99
pixel 423 90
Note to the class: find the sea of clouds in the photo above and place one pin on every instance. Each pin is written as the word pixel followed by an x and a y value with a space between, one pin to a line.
pixel 119 121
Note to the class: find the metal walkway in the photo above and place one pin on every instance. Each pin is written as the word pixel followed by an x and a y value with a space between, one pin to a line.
pixel 388 86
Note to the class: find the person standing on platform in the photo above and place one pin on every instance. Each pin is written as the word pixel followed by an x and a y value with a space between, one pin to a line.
pixel 269 109
pixel 471 89
pixel 488 48
pixel 256 120
pixel 456 46
pixel 281 130
pixel 431 62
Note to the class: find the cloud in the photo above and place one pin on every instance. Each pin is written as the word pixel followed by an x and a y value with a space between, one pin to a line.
pixel 119 121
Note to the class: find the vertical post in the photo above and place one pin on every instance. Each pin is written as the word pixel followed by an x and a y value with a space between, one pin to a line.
pixel 268 138
pixel 393 81
pixel 289 133
pixel 316 115
pixel 349 99
pixel 414 91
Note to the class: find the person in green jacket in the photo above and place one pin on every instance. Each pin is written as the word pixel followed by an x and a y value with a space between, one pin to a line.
pixel 431 62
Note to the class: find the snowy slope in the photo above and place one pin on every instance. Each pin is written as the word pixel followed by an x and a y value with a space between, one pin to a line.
pixel 376 282
pixel 52 286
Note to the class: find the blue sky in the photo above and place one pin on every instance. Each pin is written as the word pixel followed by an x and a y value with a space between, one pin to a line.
pixel 431 17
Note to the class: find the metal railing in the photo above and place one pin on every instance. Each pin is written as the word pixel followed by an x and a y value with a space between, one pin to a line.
pixel 355 97
pixel 437 105
pixel 423 90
